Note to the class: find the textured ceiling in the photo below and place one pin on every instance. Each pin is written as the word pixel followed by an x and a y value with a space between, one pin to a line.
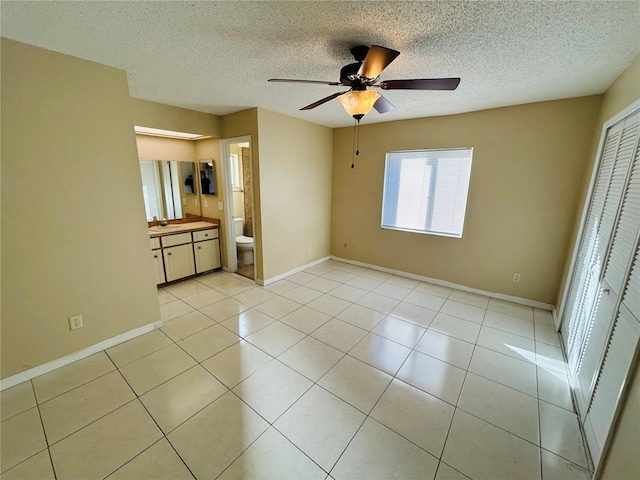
pixel 216 57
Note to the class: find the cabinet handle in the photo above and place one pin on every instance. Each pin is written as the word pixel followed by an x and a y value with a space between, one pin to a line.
pixel 199 248
pixel 155 256
pixel 169 253
pixel 607 291
pixel 206 234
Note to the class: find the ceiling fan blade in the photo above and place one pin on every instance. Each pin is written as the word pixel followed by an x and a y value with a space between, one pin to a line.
pixel 383 105
pixel 324 100
pixel 288 80
pixel 421 84
pixel 376 61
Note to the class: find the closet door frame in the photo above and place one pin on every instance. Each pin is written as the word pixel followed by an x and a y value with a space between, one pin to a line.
pixel 583 219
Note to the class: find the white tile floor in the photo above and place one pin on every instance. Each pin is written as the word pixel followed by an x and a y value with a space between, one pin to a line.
pixel 336 372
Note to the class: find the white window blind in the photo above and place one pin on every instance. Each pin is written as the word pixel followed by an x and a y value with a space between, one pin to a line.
pixel 425 191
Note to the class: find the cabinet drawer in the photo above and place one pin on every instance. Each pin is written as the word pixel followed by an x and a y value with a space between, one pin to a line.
pixel 205 235
pixel 155 243
pixel 177 239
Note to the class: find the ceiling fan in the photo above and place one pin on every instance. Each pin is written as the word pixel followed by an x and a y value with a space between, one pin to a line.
pixel 363 74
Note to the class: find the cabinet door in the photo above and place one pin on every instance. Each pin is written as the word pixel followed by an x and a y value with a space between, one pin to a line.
pixel 178 262
pixel 207 255
pixel 158 266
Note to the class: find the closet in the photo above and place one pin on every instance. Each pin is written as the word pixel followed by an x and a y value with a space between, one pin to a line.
pixel 601 317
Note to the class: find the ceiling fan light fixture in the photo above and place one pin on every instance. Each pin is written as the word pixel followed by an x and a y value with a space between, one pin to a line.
pixel 359 102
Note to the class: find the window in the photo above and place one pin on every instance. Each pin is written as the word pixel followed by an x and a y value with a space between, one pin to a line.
pixel 236 180
pixel 425 191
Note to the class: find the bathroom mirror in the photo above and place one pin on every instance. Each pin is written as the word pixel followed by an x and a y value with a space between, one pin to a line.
pixel 208 185
pixel 169 189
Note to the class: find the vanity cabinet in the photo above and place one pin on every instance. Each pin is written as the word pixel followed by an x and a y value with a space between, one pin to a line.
pixel 181 255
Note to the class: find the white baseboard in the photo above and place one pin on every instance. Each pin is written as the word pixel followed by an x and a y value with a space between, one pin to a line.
pixel 75 356
pixel 269 281
pixel 500 296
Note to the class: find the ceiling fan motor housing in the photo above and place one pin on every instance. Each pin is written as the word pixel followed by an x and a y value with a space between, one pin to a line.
pixel 349 73
pixel 349 77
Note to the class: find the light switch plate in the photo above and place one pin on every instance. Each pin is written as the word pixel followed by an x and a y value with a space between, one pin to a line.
pixel 220 206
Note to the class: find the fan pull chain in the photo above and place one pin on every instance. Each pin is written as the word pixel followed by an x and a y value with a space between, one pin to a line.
pixel 354 144
pixel 356 141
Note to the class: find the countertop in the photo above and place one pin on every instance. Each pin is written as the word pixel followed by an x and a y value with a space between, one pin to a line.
pixel 172 229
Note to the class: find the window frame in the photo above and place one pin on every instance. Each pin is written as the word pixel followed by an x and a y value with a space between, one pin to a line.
pixel 388 157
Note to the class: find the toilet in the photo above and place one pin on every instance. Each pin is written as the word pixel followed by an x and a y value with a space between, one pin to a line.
pixel 244 245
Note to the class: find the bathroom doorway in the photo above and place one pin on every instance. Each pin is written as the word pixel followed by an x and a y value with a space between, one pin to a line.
pixel 239 215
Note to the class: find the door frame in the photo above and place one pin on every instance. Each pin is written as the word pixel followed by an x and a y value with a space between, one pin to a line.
pixel 229 237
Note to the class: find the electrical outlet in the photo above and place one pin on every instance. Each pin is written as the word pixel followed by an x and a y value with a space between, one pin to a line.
pixel 220 206
pixel 196 202
pixel 184 201
pixel 206 204
pixel 75 321
pixel 516 278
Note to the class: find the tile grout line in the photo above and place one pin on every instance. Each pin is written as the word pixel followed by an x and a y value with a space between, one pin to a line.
pixel 535 347
pixel 371 410
pixel 164 436
pixel 44 434
pixel 455 407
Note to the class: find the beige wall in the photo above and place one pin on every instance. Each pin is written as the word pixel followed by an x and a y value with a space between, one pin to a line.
pixel 159 148
pixel 210 149
pixel 157 115
pixel 205 150
pixel 79 244
pixel 528 164
pixel 238 204
pixel 295 180
pixel 622 461
pixel 237 125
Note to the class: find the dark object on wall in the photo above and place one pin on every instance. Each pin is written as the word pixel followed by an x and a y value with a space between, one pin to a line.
pixel 189 183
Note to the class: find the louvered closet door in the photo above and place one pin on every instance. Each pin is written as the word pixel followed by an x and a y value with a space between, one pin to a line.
pixel 623 217
pixel 619 356
pixel 615 275
pixel 593 299
pixel 582 280
pixel 600 326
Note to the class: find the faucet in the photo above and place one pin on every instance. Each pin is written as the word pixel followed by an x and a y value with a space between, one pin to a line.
pixel 164 222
